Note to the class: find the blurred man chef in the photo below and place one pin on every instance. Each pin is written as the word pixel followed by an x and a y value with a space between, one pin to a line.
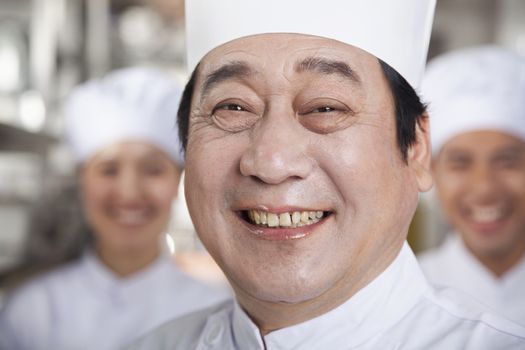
pixel 122 130
pixel 305 114
pixel 477 108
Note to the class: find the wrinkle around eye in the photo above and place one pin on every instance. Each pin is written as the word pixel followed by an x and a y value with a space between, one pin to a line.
pixel 325 115
pixel 233 116
pixel 198 121
pixel 328 121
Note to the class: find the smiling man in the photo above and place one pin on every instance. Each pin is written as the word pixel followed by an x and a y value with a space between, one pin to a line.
pixel 306 148
pixel 477 100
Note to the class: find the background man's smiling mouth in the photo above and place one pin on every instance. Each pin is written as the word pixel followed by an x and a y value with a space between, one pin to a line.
pixel 487 214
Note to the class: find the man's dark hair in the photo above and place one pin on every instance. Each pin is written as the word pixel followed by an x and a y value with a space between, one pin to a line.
pixel 183 114
pixel 409 109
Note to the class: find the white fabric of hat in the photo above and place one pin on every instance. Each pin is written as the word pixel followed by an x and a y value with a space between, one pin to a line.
pixel 397 32
pixel 137 103
pixel 474 89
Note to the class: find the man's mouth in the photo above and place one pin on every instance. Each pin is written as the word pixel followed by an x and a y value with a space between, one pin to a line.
pixel 488 219
pixel 287 219
pixel 487 214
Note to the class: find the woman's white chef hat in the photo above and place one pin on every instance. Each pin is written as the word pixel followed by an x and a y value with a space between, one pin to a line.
pixel 397 32
pixel 480 88
pixel 129 104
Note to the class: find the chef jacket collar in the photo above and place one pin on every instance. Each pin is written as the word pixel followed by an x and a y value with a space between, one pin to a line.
pixel 122 289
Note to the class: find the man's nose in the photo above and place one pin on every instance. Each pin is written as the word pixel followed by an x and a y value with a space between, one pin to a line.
pixel 278 151
pixel 484 179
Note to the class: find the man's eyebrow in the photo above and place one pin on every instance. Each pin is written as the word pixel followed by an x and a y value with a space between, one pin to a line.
pixel 327 66
pixel 231 70
pixel 511 151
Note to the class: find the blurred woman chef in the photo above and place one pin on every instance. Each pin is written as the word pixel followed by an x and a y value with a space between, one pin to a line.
pixel 122 131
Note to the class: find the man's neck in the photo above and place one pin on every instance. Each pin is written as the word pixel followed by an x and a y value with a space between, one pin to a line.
pixel 500 264
pixel 271 316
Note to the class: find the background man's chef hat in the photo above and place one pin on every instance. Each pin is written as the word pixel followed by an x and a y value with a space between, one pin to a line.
pixel 129 104
pixel 475 89
pixel 396 31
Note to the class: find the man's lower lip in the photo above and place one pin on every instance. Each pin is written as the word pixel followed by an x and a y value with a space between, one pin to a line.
pixel 488 228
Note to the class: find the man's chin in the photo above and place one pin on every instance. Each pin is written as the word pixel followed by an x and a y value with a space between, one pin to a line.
pixel 281 294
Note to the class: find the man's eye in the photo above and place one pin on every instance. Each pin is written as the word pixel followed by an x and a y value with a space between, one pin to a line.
pixel 458 163
pixel 233 117
pixel 230 107
pixel 325 115
pixel 323 109
pixel 507 162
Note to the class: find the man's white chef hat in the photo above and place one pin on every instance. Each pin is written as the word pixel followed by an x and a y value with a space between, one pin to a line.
pixel 129 104
pixel 397 31
pixel 481 88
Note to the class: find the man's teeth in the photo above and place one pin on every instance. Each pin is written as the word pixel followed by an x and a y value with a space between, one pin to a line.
pixel 286 219
pixel 487 214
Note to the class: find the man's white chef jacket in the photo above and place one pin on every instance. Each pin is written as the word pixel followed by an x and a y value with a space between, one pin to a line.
pixel 453 265
pixel 397 310
pixel 83 305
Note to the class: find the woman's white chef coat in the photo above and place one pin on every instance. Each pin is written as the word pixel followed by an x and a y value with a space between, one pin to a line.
pixel 83 305
pixel 453 265
pixel 397 310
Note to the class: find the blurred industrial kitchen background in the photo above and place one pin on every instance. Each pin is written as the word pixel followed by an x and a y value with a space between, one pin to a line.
pixel 49 46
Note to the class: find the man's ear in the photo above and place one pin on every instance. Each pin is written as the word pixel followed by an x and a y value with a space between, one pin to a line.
pixel 420 155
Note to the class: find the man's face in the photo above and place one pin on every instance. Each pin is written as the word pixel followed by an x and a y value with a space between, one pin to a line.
pixel 294 180
pixel 480 179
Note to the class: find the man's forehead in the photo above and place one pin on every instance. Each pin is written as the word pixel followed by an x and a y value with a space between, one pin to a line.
pixel 291 47
pixel 493 141
pixel 290 52
pixel 311 64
